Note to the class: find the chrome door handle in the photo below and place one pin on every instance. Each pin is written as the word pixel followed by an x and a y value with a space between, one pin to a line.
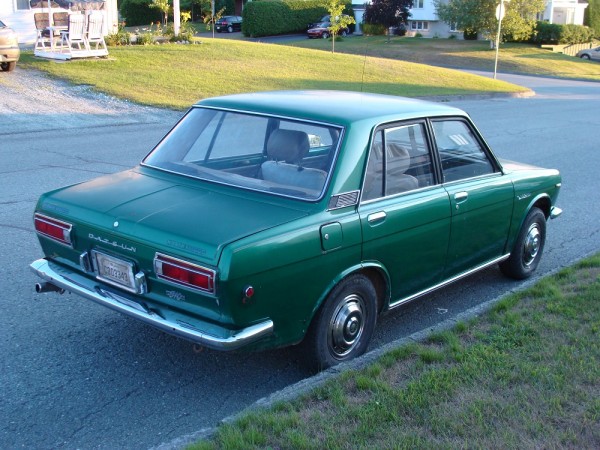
pixel 460 197
pixel 376 217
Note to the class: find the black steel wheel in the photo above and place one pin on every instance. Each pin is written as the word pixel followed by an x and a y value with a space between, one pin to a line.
pixel 8 66
pixel 528 248
pixel 344 325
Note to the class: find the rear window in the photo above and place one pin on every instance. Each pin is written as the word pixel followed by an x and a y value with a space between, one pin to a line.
pixel 277 155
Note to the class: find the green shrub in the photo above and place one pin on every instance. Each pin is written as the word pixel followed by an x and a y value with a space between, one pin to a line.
pixel 121 37
pixel 553 34
pixel 271 17
pixel 371 29
pixel 138 12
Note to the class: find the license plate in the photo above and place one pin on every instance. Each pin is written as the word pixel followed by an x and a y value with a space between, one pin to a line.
pixel 115 271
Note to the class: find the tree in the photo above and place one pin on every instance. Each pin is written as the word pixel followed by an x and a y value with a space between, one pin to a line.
pixel 164 7
pixel 388 13
pixel 337 20
pixel 479 16
pixel 592 16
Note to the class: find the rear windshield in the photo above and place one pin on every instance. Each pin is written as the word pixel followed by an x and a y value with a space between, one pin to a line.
pixel 264 153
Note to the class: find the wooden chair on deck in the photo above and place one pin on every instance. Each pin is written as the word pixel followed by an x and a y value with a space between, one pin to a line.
pixel 42 25
pixel 94 32
pixel 60 20
pixel 74 37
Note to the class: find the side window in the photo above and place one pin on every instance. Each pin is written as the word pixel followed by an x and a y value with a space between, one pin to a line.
pixel 461 154
pixel 399 161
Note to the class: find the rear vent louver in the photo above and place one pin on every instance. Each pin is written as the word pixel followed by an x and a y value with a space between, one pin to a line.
pixel 343 200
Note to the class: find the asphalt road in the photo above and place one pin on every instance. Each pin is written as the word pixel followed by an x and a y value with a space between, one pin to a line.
pixel 76 375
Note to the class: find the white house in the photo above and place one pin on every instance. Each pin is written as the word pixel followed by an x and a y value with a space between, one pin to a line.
pixel 424 20
pixel 19 14
pixel 564 12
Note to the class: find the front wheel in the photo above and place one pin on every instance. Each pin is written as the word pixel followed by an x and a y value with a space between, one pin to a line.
pixel 344 325
pixel 325 35
pixel 230 29
pixel 584 56
pixel 528 248
pixel 8 66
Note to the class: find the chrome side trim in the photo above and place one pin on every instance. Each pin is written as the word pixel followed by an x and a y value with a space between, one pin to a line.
pixel 91 290
pixel 446 282
pixel 555 212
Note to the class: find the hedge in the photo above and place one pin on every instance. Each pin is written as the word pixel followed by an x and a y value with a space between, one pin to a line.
pixel 272 17
pixel 553 34
pixel 138 12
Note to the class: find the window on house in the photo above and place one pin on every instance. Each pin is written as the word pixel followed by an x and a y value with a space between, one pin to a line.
pixel 22 4
pixel 419 25
pixel 454 27
pixel 418 4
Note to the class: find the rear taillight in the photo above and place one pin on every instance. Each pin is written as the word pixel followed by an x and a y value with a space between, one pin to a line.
pixel 54 229
pixel 184 273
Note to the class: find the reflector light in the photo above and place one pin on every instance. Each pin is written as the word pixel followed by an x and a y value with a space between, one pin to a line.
pixel 184 273
pixel 55 229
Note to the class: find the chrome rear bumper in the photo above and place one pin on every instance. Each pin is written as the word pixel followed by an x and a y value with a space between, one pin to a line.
pixel 177 325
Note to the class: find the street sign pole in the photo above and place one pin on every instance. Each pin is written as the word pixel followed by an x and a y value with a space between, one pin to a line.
pixel 499 15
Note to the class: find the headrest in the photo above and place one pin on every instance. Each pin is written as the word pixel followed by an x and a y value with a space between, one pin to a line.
pixel 399 157
pixel 289 146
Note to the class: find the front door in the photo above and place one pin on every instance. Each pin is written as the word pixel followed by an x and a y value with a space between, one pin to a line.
pixel 481 197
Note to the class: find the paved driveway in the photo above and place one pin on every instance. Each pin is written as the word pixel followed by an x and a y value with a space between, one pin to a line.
pixel 76 375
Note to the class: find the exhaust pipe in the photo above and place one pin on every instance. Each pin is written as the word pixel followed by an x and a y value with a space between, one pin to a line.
pixel 47 287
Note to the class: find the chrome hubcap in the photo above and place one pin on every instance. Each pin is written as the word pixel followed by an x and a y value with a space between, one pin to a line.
pixel 532 244
pixel 346 326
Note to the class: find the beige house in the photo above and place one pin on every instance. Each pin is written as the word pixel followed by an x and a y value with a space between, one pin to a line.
pixel 19 14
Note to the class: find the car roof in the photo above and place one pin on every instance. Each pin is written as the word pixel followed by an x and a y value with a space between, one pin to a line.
pixel 336 107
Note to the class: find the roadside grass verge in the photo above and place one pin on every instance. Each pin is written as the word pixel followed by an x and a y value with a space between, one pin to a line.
pixel 470 55
pixel 176 76
pixel 524 375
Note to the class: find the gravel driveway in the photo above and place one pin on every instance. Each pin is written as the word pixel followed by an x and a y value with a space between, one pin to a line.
pixel 32 101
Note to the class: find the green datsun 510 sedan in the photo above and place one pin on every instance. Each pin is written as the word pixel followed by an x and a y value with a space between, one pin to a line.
pixel 263 220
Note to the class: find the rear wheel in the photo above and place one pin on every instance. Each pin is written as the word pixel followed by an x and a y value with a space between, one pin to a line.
pixel 344 33
pixel 529 245
pixel 584 56
pixel 344 325
pixel 8 66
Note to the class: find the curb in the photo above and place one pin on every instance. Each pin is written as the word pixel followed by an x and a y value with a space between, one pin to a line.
pixel 302 387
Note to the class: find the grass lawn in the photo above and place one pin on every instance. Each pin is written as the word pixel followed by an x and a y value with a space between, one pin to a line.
pixel 524 375
pixel 472 55
pixel 176 76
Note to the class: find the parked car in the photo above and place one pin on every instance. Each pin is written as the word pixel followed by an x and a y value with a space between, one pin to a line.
pixel 229 24
pixel 326 18
pixel 590 53
pixel 322 30
pixel 263 220
pixel 9 48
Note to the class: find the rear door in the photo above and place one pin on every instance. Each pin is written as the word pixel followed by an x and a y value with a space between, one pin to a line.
pixel 404 210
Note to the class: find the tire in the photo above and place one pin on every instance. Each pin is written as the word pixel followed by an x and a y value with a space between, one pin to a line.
pixel 344 325
pixel 8 66
pixel 344 33
pixel 528 248
pixel 584 56
pixel 325 35
pixel 230 29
